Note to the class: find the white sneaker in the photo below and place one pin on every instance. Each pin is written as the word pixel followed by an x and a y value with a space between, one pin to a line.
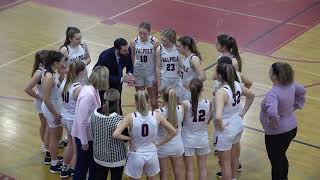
pixel 43 148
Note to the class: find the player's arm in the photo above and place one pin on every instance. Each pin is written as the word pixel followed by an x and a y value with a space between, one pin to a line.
pixel 87 57
pixel 196 65
pixel 133 51
pixel 31 84
pixel 158 67
pixel 249 99
pixel 123 125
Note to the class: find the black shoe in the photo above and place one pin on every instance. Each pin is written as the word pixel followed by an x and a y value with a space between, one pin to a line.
pixel 60 158
pixel 219 175
pixel 66 172
pixel 56 169
pixel 215 152
pixel 62 144
pixel 47 160
pixel 239 168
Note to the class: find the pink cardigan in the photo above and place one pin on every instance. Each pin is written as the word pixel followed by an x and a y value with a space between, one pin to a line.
pixel 88 100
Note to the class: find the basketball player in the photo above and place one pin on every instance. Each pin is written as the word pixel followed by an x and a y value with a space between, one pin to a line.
pixel 167 61
pixel 195 137
pixel 74 49
pixel 228 120
pixel 190 66
pixel 143 157
pixel 51 106
pixel 172 150
pixel 37 72
pixel 70 89
pixel 143 49
pixel 227 46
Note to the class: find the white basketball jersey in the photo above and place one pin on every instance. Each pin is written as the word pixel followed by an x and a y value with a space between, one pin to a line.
pixel 195 130
pixel 233 107
pixel 145 56
pixel 143 132
pixel 162 133
pixel 55 92
pixel 76 54
pixel 170 64
pixel 69 102
pixel 187 72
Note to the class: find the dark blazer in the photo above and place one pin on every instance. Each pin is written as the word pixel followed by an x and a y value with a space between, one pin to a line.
pixel 108 59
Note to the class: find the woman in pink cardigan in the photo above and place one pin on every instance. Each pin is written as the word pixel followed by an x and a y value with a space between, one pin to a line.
pixel 88 100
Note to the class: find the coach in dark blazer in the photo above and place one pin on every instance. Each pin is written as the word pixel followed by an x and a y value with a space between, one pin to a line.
pixel 116 59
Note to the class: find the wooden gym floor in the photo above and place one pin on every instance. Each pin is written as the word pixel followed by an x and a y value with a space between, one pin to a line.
pixel 28 26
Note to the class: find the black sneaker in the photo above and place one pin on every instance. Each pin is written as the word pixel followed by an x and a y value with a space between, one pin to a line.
pixel 56 169
pixel 47 160
pixel 239 168
pixel 219 175
pixel 66 172
pixel 60 158
pixel 62 144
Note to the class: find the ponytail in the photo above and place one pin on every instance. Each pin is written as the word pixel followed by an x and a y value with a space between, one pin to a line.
pixel 169 96
pixel 39 59
pixel 227 73
pixel 230 44
pixel 112 96
pixel 70 32
pixel 196 86
pixel 191 44
pixel 74 69
pixel 235 52
pixel 227 60
pixel 141 98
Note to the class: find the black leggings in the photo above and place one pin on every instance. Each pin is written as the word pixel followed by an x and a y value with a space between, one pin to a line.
pixel 102 172
pixel 277 146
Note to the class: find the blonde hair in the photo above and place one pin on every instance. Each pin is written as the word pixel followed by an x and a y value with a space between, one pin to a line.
pixel 170 34
pixel 99 78
pixel 169 96
pixel 74 69
pixel 141 97
pixel 112 95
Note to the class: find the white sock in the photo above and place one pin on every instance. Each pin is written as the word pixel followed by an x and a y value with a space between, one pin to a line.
pixel 54 162
pixel 234 179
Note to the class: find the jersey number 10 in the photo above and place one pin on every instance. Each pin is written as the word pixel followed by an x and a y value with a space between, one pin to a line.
pixel 144 58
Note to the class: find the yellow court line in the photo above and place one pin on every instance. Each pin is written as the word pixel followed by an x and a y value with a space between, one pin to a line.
pixel 86 29
pixel 238 13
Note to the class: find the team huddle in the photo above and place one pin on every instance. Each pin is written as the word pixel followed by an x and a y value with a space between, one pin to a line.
pixel 100 139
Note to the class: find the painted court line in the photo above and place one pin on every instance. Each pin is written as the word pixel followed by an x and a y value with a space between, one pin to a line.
pixel 11 4
pixel 281 24
pixel 135 7
pixel 238 13
pixel 86 29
